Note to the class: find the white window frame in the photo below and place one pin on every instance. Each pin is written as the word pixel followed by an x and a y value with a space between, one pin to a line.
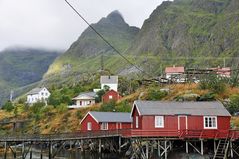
pixel 89 126
pixel 206 126
pixel 136 121
pixel 104 126
pixel 110 97
pixel 159 121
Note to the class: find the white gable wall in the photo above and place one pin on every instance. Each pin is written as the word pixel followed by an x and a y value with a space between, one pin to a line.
pixel 112 86
pixel 43 95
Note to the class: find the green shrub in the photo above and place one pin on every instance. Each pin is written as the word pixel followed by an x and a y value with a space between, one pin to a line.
pixel 154 94
pixel 233 105
pixel 108 107
pixel 78 114
pixel 62 108
pixel 8 106
pixel 213 83
pixel 207 97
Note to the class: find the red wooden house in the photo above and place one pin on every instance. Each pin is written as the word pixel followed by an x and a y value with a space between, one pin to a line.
pixel 111 95
pixel 106 121
pixel 157 118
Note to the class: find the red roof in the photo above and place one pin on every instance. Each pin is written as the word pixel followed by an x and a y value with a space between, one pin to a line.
pixel 174 69
pixel 224 71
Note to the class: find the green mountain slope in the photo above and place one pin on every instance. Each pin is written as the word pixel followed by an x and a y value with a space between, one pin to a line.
pixel 183 29
pixel 22 66
pixel 84 55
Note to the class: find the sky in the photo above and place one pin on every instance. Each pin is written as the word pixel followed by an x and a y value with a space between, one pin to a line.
pixel 52 24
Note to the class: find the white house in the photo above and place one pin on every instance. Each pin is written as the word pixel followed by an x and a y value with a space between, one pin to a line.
pixel 111 81
pixel 85 99
pixel 40 94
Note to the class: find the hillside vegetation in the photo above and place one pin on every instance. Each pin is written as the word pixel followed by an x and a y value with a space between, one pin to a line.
pixel 193 33
pixel 56 117
pixel 22 66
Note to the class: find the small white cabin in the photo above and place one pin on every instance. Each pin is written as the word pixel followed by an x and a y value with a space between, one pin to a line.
pixel 85 99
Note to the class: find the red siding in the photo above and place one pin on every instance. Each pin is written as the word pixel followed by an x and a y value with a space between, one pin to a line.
pixel 136 113
pixel 96 126
pixel 171 125
pixel 106 97
pixel 89 118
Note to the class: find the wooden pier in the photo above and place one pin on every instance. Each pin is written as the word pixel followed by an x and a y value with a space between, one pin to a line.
pixel 225 143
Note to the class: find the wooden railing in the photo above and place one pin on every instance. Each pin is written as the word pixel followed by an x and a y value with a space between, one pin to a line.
pixel 181 134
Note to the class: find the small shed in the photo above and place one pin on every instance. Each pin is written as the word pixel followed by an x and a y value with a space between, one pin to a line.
pixel 179 116
pixel 106 121
pixel 111 95
pixel 85 99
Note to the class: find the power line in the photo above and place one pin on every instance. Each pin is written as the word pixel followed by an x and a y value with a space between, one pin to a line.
pixel 106 41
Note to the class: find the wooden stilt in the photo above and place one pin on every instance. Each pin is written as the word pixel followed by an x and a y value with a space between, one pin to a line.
pixel 187 147
pixel 170 145
pixel 231 149
pixel 100 145
pixel 159 151
pixel 166 150
pixel 82 145
pixel 41 157
pixel 214 146
pixel 23 150
pixel 147 150
pixel 31 151
pixel 202 147
pixel 50 150
pixel 5 150
pixel 120 144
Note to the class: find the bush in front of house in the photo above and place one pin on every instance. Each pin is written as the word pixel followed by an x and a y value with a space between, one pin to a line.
pixel 233 104
pixel 8 106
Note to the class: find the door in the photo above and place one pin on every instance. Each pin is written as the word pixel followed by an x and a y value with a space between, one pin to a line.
pixel 182 124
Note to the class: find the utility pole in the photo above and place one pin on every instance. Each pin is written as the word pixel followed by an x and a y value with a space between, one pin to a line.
pixel 11 96
pixel 102 62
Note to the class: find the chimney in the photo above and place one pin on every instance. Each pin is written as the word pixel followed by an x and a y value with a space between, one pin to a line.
pixel 109 77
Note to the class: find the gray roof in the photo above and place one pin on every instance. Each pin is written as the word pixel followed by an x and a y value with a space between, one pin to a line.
pixel 109 79
pixel 111 117
pixel 173 108
pixel 89 94
pixel 35 91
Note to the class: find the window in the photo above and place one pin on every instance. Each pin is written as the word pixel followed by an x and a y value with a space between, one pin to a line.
pixel 46 94
pixel 110 97
pixel 159 121
pixel 89 126
pixel 104 126
pixel 137 122
pixel 210 122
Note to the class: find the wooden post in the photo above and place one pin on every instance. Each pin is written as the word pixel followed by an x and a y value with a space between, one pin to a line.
pixel 159 153
pixel 170 145
pixel 5 150
pixel 50 150
pixel 231 149
pixel 201 147
pixel 23 150
pixel 31 151
pixel 41 157
pixel 215 146
pixel 187 147
pixel 119 144
pixel 165 149
pixel 82 145
pixel 147 150
pixel 100 145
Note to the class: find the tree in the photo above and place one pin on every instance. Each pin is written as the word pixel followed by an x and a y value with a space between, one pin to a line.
pixel 8 106
pixel 233 105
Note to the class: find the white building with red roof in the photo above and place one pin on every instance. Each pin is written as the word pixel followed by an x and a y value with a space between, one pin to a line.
pixel 175 73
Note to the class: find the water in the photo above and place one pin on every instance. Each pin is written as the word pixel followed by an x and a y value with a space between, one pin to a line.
pixel 66 154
